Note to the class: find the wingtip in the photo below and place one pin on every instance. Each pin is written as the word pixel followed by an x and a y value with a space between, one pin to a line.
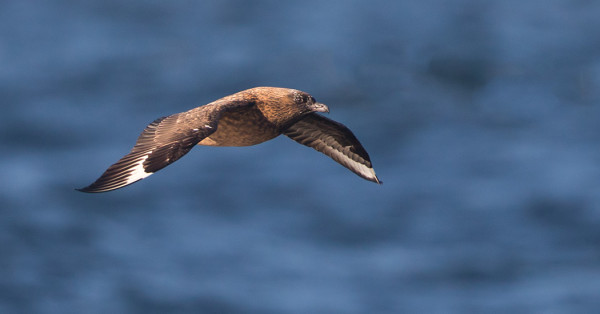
pixel 88 189
pixel 375 179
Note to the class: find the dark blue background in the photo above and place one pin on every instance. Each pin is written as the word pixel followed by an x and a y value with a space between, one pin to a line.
pixel 481 117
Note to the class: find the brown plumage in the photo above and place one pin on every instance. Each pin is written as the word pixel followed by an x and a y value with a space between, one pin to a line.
pixel 245 118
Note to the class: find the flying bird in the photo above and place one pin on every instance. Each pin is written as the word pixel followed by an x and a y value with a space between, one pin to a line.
pixel 245 118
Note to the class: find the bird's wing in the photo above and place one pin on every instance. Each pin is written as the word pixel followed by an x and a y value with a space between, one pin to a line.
pixel 163 142
pixel 334 140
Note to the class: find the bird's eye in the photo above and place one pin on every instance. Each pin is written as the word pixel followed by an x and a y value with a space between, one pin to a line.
pixel 300 98
pixel 312 99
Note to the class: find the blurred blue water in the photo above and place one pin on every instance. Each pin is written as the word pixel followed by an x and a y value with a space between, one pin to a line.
pixel 482 119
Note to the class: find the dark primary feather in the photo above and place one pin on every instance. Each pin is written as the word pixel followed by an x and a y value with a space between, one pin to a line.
pixel 161 143
pixel 334 140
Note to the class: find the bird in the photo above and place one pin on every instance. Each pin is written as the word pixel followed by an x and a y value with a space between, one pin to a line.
pixel 246 118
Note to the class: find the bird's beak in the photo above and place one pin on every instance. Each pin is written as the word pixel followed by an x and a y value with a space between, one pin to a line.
pixel 319 107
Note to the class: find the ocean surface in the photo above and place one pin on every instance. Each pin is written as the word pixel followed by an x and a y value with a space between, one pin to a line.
pixel 481 117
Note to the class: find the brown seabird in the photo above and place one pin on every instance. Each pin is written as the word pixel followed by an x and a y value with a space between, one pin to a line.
pixel 245 118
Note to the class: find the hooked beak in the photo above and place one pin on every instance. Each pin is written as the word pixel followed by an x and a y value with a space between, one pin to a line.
pixel 319 107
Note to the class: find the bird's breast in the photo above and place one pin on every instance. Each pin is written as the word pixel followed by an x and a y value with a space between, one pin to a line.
pixel 241 128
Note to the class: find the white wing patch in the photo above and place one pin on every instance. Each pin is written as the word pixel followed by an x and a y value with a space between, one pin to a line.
pixel 138 172
pixel 367 172
pixel 334 140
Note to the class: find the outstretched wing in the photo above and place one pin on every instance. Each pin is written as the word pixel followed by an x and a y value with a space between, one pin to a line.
pixel 334 140
pixel 163 142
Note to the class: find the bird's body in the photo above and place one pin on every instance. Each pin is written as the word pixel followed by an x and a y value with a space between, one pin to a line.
pixel 244 126
pixel 246 118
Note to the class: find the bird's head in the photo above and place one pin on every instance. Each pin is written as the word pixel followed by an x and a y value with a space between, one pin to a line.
pixel 283 106
pixel 308 102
